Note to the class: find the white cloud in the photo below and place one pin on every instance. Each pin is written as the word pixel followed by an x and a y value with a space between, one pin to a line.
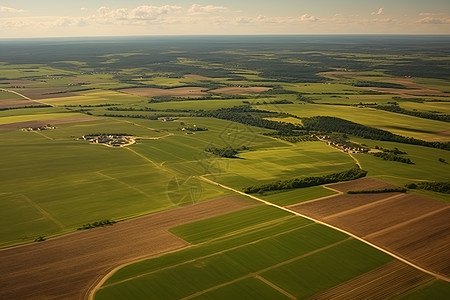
pixel 139 15
pixel 379 12
pixel 430 20
pixel 308 18
pixel 4 9
pixel 197 9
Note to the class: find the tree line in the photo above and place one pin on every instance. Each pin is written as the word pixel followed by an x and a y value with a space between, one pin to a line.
pixel 347 175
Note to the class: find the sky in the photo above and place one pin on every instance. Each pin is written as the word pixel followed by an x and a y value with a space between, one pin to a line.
pixel 63 18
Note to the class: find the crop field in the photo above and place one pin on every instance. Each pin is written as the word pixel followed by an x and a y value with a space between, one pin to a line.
pixel 286 198
pixel 408 224
pixel 93 98
pixel 426 164
pixel 72 262
pixel 252 254
pixel 301 160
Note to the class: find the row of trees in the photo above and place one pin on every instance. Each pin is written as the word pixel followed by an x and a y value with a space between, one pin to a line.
pixel 419 114
pixel 249 116
pixel 441 187
pixel 347 175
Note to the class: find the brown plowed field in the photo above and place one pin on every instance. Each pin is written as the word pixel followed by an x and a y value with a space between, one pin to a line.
pixel 433 251
pixel 412 226
pixel 385 282
pixel 68 266
pixel 240 90
pixel 384 214
pixel 19 102
pixel 337 204
pixel 366 183
pixel 186 92
pixel 15 82
pixel 45 93
pixel 19 125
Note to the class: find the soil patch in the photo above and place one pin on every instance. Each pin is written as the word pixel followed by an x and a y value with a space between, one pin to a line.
pixel 385 282
pixel 366 183
pixel 332 205
pixel 411 226
pixel 16 82
pixel 426 241
pixel 18 103
pixel 45 93
pixel 68 266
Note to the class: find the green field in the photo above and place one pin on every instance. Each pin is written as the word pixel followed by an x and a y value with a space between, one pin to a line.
pixel 227 257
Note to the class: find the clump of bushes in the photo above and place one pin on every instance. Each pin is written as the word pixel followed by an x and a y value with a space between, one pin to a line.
pixel 97 224
pixel 387 190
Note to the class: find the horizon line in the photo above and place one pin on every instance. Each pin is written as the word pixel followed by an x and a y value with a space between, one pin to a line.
pixel 228 35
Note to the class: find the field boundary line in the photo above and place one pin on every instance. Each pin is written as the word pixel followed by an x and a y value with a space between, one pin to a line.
pixel 95 286
pixel 135 124
pixel 373 234
pixel 275 287
pixel 43 212
pixel 23 96
pixel 255 227
pixel 364 206
pixel 412 264
pixel 253 274
pixel 328 187
pixel 318 199
pixel 196 259
pixel 149 160
pixel 43 135
pixel 356 160
pixel 125 184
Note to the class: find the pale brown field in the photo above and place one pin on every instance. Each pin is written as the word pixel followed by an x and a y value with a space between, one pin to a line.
pixel 16 82
pixel 45 93
pixel 366 183
pixel 411 226
pixel 380 215
pixel 385 282
pixel 240 90
pixel 186 92
pixel 69 266
pixel 337 204
pixel 425 240
pixel 19 102
pixel 20 125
